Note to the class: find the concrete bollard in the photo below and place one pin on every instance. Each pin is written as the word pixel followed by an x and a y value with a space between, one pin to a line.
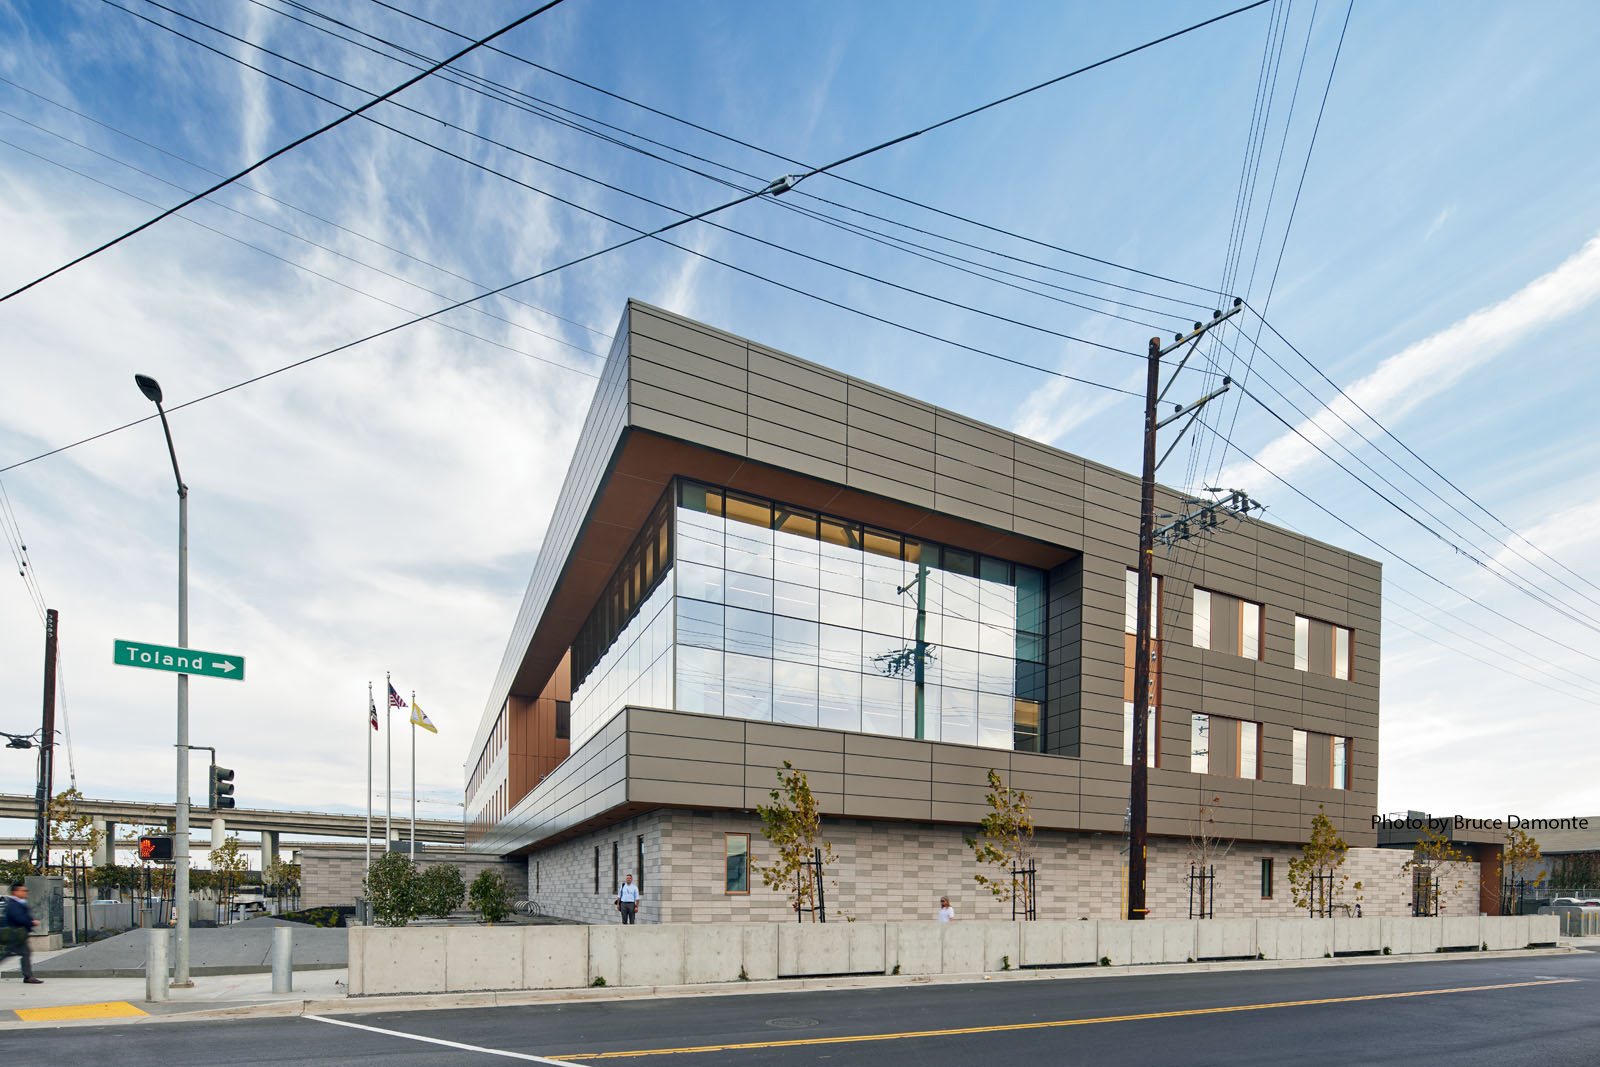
pixel 282 959
pixel 155 966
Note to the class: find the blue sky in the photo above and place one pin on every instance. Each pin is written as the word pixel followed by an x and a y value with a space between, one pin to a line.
pixel 380 509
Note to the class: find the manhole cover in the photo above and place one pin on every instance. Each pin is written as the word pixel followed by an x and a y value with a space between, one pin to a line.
pixel 793 1022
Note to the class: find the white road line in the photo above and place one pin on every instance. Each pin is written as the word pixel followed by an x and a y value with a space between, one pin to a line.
pixel 440 1041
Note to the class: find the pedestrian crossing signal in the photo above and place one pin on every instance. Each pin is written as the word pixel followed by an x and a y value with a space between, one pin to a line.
pixel 155 849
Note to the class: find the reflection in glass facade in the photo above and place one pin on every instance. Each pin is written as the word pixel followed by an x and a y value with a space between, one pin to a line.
pixel 789 616
pixel 733 605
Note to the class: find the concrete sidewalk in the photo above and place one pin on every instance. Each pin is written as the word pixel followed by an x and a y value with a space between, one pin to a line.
pixel 99 1001
pixel 239 949
pixel 61 1000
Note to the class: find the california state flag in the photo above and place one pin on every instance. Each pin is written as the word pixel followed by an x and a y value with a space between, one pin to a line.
pixel 420 718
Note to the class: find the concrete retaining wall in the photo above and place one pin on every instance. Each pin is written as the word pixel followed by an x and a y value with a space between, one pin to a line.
pixel 442 959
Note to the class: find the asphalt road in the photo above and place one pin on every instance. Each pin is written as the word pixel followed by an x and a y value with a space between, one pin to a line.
pixel 1543 1010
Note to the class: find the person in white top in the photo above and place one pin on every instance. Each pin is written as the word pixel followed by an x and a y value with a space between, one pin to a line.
pixel 946 912
pixel 628 900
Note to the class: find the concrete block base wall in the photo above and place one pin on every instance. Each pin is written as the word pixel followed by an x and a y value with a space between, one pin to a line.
pixel 888 870
pixel 331 875
pixel 468 958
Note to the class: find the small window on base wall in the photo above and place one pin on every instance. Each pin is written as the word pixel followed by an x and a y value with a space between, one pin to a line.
pixel 1266 879
pixel 736 851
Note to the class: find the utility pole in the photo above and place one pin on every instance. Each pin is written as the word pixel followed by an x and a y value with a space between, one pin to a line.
pixel 47 738
pixel 1139 778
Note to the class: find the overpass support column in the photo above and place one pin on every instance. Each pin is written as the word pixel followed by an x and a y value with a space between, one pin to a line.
pixel 105 853
pixel 269 848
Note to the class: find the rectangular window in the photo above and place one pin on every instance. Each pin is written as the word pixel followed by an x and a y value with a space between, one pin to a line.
pixel 1266 879
pixel 1321 760
pixel 736 850
pixel 1152 734
pixel 1226 747
pixel 1130 604
pixel 536 879
pixel 1322 648
pixel 638 875
pixel 614 879
pixel 1226 623
pixel 597 870
pixel 563 720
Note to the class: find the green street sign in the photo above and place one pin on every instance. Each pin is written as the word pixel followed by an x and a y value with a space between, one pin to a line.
pixel 178 660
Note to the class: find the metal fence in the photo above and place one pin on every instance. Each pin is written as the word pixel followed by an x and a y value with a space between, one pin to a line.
pixel 1024 899
pixel 1202 892
pixel 1576 922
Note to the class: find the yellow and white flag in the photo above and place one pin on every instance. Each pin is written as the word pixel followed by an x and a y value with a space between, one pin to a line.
pixel 420 718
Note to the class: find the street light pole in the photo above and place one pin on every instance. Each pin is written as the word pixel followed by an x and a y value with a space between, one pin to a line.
pixel 180 844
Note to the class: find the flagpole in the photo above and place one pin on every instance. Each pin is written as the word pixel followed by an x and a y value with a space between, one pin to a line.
pixel 366 728
pixel 388 762
pixel 413 775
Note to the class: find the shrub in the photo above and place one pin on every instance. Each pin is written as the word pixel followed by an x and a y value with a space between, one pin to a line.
pixel 323 917
pixel 489 897
pixel 392 887
pixel 442 889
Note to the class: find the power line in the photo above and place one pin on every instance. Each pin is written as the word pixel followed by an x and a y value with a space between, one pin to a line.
pixel 776 188
pixel 1299 188
pixel 1411 452
pixel 286 148
pixel 316 273
pixel 604 334
pixel 296 236
pixel 628 226
pixel 839 177
pixel 512 97
pixel 1370 539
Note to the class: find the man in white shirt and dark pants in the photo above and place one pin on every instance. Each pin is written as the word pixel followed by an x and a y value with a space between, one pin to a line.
pixel 628 900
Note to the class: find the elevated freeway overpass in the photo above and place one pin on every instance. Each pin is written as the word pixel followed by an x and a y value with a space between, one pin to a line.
pixel 109 814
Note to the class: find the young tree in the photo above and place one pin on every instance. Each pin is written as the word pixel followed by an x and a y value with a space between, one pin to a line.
pixel 1519 856
pixel 1320 865
pixel 1206 847
pixel 392 889
pixel 70 829
pixel 282 877
pixel 792 826
pixel 1433 859
pixel 228 866
pixel 442 889
pixel 1006 842
pixel 489 896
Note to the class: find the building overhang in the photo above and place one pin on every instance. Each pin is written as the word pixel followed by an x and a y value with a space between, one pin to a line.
pixel 644 464
pixel 644 759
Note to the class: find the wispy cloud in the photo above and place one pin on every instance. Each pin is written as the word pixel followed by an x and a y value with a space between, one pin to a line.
pixel 1438 222
pixel 1433 365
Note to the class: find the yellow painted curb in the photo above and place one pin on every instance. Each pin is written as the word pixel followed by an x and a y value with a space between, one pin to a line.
pixel 115 1009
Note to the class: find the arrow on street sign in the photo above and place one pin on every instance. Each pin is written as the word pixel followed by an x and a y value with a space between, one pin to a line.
pixel 178 660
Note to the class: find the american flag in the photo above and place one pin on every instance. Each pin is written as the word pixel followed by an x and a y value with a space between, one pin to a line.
pixel 372 709
pixel 394 698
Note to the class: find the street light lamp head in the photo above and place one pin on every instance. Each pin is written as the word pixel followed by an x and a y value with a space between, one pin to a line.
pixel 149 387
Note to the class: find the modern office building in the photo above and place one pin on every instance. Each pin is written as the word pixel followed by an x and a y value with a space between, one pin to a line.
pixel 755 559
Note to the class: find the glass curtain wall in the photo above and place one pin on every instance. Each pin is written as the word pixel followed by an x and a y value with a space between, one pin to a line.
pixel 623 652
pixel 786 615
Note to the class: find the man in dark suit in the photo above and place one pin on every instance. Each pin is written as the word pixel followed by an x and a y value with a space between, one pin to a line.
pixel 19 923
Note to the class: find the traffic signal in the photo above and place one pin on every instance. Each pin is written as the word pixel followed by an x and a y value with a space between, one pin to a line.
pixel 155 849
pixel 221 787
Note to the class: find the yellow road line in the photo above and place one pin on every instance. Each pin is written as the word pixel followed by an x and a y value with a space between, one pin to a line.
pixel 1001 1028
pixel 114 1009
